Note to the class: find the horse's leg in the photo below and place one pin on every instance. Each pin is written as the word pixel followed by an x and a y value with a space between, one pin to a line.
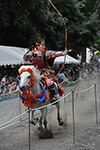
pixel 44 133
pixel 44 112
pixel 33 120
pixel 43 118
pixel 40 123
pixel 60 121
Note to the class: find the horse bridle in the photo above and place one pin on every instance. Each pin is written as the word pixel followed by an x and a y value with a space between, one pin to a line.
pixel 32 80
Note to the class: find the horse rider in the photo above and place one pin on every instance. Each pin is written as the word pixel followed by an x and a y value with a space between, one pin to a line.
pixel 41 58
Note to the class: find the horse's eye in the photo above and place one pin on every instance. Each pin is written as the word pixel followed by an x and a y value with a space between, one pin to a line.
pixel 28 77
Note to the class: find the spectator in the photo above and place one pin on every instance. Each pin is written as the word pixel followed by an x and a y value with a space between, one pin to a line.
pixel 5 89
pixel 1 87
pixel 11 77
pixel 12 87
pixel 63 77
pixel 17 79
pixel 76 69
pixel 4 79
pixel 67 73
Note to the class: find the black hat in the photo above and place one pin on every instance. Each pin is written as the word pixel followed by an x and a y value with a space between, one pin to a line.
pixel 40 42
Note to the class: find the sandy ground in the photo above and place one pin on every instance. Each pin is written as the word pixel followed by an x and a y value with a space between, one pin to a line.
pixel 87 132
pixel 17 138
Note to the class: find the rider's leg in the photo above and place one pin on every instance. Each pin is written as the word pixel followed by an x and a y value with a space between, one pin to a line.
pixel 52 93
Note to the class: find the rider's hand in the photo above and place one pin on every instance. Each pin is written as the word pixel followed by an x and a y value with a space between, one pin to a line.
pixel 65 53
pixel 30 53
pixel 27 55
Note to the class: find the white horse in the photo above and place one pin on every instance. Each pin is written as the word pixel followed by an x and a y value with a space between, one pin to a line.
pixel 34 95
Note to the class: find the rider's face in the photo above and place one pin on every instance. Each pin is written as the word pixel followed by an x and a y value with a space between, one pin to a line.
pixel 41 48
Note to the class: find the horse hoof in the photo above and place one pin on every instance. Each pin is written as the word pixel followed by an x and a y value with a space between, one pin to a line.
pixel 45 134
pixel 34 121
pixel 40 128
pixel 61 123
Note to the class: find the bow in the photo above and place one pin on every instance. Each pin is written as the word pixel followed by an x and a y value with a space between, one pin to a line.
pixel 65 33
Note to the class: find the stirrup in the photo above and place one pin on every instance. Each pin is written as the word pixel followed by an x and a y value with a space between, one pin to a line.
pixel 53 99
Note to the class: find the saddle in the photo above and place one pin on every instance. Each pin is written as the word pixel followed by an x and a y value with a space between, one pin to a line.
pixel 50 84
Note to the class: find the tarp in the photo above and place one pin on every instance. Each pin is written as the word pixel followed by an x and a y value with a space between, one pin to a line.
pixel 69 60
pixel 88 55
pixel 11 55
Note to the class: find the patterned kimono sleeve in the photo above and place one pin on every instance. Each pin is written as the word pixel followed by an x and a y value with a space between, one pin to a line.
pixel 53 54
pixel 27 56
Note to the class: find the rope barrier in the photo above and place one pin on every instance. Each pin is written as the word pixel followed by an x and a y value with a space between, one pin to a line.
pixel 56 102
pixel 9 125
pixel 1 126
pixel 61 82
pixel 32 110
pixel 84 90
pixel 52 103
pixel 6 94
pixel 46 105
pixel 12 119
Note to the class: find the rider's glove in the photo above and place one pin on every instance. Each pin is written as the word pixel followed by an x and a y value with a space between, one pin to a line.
pixel 65 53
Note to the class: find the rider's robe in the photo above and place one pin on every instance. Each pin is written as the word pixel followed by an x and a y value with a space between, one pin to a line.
pixel 41 60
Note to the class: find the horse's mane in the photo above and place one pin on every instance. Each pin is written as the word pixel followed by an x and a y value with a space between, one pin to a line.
pixel 36 73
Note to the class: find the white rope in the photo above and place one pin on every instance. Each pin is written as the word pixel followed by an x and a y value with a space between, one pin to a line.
pixel 32 110
pixel 52 103
pixel 62 82
pixel 9 125
pixel 71 82
pixel 12 119
pixel 84 90
pixel 45 105
pixel 6 94
pixel 76 81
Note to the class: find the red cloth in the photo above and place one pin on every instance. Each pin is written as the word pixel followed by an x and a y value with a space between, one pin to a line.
pixel 38 61
pixel 61 91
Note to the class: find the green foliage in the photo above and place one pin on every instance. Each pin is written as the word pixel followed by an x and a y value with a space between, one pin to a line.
pixel 22 23
pixel 91 20
pixel 97 42
pixel 81 4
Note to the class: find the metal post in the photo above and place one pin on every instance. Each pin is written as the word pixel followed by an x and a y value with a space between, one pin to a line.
pixel 78 87
pixel 96 104
pixel 20 111
pixel 73 117
pixel 65 91
pixel 29 126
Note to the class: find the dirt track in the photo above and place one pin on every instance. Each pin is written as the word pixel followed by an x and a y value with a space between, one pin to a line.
pixel 86 139
pixel 87 132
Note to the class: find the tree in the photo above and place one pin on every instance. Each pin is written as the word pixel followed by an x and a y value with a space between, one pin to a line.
pixel 91 21
pixel 22 23
pixel 15 25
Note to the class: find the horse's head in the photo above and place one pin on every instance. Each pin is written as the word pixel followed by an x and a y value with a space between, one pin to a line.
pixel 24 81
pixel 28 76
